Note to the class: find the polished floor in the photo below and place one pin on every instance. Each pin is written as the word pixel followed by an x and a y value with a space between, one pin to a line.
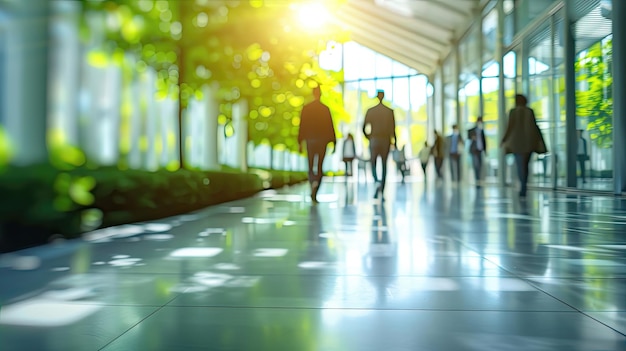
pixel 433 267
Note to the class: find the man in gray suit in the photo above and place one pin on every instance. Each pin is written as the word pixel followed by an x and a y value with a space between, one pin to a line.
pixel 382 133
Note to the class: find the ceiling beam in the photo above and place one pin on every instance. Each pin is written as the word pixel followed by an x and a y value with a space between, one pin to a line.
pixel 425 28
pixel 455 10
pixel 360 28
pixel 351 14
pixel 391 52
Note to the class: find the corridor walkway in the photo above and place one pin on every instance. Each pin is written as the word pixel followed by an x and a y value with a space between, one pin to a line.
pixel 432 268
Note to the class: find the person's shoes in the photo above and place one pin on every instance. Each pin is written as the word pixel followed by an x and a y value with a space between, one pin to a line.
pixel 378 192
pixel 314 187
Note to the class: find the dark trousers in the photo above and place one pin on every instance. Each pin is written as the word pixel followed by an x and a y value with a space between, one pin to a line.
pixel 438 165
pixel 316 148
pixel 522 160
pixel 477 162
pixel 581 163
pixel 379 147
pixel 348 167
pixel 455 167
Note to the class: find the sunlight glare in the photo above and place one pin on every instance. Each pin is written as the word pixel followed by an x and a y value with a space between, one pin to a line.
pixel 313 15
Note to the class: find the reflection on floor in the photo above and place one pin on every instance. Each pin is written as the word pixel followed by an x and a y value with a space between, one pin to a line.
pixel 434 267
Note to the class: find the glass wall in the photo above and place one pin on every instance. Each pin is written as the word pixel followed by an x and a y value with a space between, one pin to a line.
pixel 594 100
pixel 540 74
pixel 406 92
pixel 527 10
pixel 449 94
pixel 539 63
pixel 535 66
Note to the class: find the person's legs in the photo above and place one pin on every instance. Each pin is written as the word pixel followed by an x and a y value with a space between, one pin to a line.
pixel 522 161
pixel 455 167
pixel 384 154
pixel 380 147
pixel 321 154
pixel 315 148
pixel 438 164
pixel 424 166
pixel 311 158
pixel 452 168
pixel 581 163
pixel 374 160
pixel 477 160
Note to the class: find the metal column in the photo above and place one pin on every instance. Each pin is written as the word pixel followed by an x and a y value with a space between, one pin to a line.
pixel 619 107
pixel 481 49
pixel 554 103
pixel 457 84
pixel 502 118
pixel 570 94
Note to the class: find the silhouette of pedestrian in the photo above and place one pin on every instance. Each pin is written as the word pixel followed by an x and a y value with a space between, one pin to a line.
pixel 478 146
pixel 381 135
pixel 522 138
pixel 317 130
pixel 349 153
pixel 455 147
pixel 438 152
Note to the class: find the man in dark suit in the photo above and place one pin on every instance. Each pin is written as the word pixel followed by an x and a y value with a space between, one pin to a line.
pixel 478 146
pixel 382 133
pixel 317 130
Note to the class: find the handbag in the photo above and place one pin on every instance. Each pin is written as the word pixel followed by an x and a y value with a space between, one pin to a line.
pixel 540 146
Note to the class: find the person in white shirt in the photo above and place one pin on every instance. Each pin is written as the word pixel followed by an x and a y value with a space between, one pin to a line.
pixel 349 153
pixel 582 154
pixel 455 147
pixel 399 157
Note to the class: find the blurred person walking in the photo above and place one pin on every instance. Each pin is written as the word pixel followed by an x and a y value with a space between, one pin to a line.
pixel 522 138
pixel 382 134
pixel 317 130
pixel 349 153
pixel 424 156
pixel 478 146
pixel 455 147
pixel 438 151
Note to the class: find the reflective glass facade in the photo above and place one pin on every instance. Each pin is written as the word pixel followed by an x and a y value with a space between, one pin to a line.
pixel 534 38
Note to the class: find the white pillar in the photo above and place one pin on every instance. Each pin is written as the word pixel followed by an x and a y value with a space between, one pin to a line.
pixel 150 120
pixel 64 77
pixel 240 123
pixel 107 125
pixel 134 154
pixel 25 84
pixel 212 111
pixel 168 114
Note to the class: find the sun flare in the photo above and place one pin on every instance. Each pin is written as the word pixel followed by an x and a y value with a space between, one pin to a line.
pixel 313 15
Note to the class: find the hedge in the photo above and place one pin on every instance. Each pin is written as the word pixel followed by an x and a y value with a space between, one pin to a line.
pixel 41 202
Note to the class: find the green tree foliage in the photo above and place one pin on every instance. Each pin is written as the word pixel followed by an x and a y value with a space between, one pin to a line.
pixel 253 50
pixel 596 102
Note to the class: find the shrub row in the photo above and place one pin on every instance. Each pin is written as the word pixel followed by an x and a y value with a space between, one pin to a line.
pixel 40 202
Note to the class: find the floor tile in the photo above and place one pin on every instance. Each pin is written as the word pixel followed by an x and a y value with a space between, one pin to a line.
pixel 337 329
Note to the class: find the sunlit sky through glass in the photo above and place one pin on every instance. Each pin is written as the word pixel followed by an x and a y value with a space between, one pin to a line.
pixel 371 68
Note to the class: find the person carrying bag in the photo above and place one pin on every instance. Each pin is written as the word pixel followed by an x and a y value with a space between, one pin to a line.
pixel 522 138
